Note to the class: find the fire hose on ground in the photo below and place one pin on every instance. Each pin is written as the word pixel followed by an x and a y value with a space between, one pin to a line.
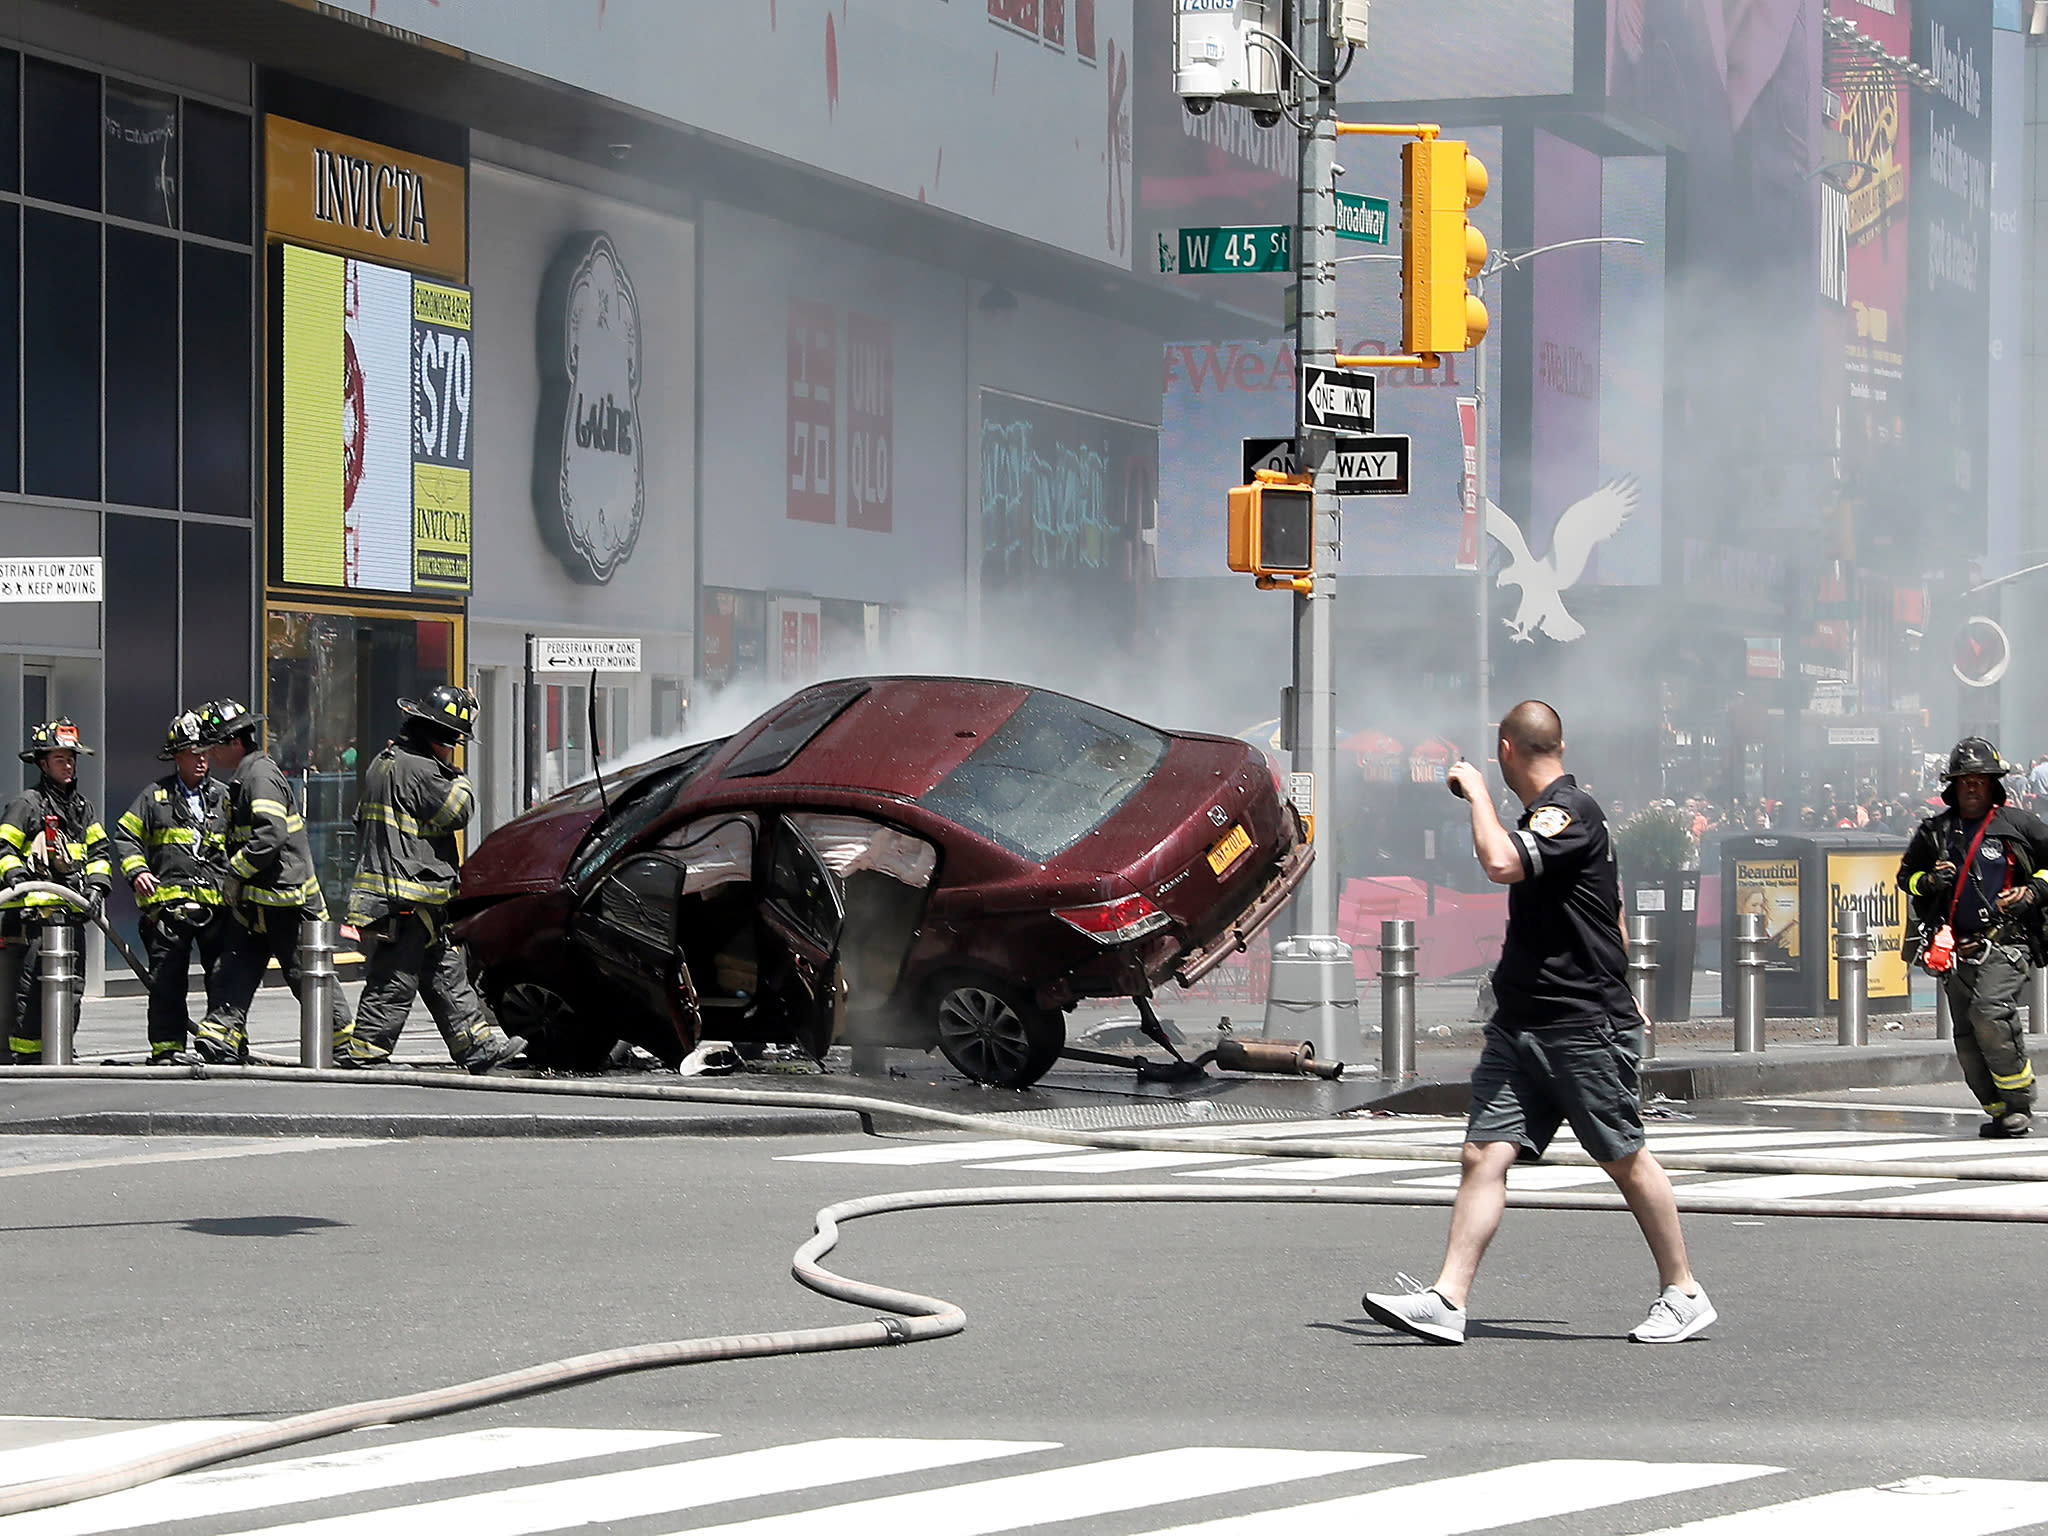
pixel 907 1317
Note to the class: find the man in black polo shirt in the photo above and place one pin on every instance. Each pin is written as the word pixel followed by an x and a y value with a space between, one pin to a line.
pixel 1565 1039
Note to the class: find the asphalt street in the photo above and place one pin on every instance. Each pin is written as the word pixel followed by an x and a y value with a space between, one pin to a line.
pixel 162 1280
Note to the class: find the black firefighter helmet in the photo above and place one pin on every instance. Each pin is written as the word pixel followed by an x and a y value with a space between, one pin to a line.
pixel 1975 755
pixel 448 712
pixel 226 718
pixel 186 733
pixel 53 736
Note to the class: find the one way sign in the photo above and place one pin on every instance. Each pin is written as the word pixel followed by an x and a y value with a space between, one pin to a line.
pixel 1333 400
pixel 1372 466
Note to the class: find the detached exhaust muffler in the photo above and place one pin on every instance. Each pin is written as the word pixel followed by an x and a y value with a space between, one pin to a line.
pixel 1281 1057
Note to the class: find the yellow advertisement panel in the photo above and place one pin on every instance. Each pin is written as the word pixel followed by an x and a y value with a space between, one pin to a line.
pixel 440 527
pixel 1869 881
pixel 1770 889
pixel 314 398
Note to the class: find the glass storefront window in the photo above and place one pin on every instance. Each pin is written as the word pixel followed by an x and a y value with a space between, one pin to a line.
pixel 335 682
pixel 142 155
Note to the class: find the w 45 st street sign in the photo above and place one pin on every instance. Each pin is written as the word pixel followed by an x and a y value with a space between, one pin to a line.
pixel 1229 248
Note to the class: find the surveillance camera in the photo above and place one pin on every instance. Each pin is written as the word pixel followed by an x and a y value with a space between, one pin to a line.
pixel 1197 105
pixel 1266 117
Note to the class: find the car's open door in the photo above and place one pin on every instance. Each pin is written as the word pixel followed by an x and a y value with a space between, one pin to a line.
pixel 802 912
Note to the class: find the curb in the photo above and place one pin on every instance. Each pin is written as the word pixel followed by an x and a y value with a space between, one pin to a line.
pixel 401 1126
pixel 1732 1075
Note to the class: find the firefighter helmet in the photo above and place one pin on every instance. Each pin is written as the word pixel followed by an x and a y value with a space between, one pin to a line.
pixel 53 736
pixel 187 733
pixel 225 718
pixel 449 711
pixel 1975 755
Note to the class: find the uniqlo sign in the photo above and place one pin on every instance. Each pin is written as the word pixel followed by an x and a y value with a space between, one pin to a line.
pixel 813 391
pixel 870 422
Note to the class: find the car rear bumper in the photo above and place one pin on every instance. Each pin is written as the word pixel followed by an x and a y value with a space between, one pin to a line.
pixel 1293 869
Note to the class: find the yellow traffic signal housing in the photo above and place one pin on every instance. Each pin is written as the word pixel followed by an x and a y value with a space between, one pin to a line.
pixel 1272 528
pixel 1440 250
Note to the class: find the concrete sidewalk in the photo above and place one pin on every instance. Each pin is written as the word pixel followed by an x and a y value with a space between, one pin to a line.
pixel 1694 1062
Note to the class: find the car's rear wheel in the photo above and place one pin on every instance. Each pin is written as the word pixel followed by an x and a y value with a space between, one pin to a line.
pixel 994 1033
pixel 555 1039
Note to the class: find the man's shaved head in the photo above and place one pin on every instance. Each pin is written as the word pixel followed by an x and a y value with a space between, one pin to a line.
pixel 1533 729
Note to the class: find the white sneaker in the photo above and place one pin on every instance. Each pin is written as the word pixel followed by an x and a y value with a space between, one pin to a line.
pixel 1674 1316
pixel 1420 1311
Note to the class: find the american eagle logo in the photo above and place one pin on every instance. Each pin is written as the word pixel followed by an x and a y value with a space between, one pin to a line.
pixel 1589 521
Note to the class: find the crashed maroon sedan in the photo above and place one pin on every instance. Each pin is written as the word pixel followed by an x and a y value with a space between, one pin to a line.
pixel 902 861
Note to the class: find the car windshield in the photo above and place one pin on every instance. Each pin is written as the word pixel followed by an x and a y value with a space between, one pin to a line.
pixel 635 808
pixel 1051 774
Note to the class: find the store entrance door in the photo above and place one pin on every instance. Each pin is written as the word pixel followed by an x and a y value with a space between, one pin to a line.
pixel 335 680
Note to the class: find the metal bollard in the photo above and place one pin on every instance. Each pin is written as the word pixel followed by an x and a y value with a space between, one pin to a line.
pixel 2037 1001
pixel 1397 999
pixel 1852 978
pixel 1642 976
pixel 1944 1018
pixel 317 986
pixel 60 980
pixel 1749 981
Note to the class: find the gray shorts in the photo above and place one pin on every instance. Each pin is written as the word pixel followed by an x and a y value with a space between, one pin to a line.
pixel 1530 1081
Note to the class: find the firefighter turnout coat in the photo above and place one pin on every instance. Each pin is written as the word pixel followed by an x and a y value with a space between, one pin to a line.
pixel 80 856
pixel 411 807
pixel 266 843
pixel 2022 841
pixel 158 833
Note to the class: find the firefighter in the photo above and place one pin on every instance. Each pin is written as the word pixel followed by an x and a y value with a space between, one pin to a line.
pixel 269 888
pixel 414 802
pixel 1978 876
pixel 52 833
pixel 172 846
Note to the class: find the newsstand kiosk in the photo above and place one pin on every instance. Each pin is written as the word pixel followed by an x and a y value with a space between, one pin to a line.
pixel 1799 883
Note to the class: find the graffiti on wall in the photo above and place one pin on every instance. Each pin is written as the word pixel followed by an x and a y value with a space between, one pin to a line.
pixel 1063 492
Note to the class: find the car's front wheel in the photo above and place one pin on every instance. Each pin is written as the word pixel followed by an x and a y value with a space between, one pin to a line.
pixel 555 1039
pixel 995 1033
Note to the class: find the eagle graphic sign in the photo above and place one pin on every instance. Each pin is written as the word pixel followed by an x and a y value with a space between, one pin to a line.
pixel 590 474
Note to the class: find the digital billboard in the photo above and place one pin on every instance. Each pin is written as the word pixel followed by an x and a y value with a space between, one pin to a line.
pixel 377 387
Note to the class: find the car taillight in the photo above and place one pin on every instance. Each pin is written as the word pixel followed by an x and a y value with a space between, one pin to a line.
pixel 1115 922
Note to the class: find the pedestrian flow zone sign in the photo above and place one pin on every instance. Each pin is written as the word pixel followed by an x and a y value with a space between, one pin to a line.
pixel 584 654
pixel 1366 466
pixel 1336 400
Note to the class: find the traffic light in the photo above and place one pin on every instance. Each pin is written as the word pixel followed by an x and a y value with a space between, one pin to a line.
pixel 1440 182
pixel 1272 528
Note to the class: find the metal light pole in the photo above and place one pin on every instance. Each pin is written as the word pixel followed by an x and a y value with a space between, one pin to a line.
pixel 1336 984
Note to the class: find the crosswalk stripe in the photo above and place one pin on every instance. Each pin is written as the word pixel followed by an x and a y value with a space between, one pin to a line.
pixel 613 1497
pixel 922 1153
pixel 235 1490
pixel 1864 1107
pixel 1918 1506
pixel 1747 1139
pixel 1064 1493
pixel 1314 1170
pixel 1793 1186
pixel 89 1453
pixel 1522 1178
pixel 1931 1152
pixel 1120 1162
pixel 1481 1501
pixel 2006 1197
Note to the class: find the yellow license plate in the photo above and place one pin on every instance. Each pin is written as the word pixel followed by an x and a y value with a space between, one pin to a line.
pixel 1235 845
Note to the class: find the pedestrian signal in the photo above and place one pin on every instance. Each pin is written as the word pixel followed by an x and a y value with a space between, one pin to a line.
pixel 1272 529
